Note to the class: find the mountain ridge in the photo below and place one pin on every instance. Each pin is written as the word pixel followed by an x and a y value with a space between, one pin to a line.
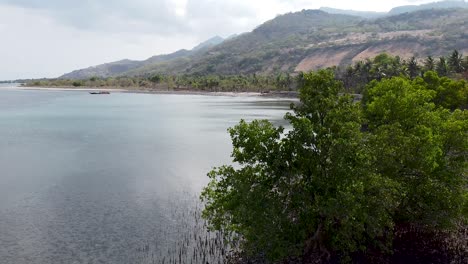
pixel 435 5
pixel 364 14
pixel 398 10
pixel 119 67
pixel 310 39
pixel 209 43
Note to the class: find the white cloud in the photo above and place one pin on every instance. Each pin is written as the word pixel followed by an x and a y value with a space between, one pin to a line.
pixel 35 46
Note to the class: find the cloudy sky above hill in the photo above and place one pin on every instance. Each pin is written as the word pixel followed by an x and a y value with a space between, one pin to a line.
pixel 46 38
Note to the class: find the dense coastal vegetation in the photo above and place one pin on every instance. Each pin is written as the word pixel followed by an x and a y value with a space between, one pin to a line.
pixel 383 180
pixel 354 76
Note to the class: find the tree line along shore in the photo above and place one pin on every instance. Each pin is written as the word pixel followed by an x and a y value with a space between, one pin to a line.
pixel 354 77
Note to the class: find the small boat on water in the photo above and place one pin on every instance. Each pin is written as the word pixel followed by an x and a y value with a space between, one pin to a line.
pixel 100 92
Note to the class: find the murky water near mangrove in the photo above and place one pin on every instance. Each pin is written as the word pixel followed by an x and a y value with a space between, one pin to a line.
pixel 112 178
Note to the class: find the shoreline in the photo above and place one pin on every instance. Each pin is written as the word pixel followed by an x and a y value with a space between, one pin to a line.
pixel 274 94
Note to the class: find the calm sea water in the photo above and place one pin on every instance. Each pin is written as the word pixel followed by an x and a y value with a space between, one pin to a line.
pixel 90 179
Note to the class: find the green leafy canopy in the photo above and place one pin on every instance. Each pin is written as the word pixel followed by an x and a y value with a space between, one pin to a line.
pixel 345 173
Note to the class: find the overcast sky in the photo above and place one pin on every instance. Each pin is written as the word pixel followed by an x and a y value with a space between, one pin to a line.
pixel 46 38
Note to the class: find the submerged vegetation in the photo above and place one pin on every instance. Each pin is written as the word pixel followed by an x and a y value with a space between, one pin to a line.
pixel 183 237
pixel 383 180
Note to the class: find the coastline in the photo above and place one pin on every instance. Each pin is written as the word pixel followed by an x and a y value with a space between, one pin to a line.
pixel 274 94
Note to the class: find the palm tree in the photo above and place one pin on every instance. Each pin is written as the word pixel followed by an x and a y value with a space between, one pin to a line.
pixel 465 63
pixel 455 62
pixel 359 71
pixel 429 64
pixel 348 77
pixel 396 68
pixel 442 67
pixel 413 68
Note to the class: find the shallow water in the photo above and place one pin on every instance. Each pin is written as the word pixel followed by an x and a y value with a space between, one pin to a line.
pixel 91 178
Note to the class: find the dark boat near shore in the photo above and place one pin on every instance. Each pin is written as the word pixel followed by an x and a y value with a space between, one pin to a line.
pixel 100 92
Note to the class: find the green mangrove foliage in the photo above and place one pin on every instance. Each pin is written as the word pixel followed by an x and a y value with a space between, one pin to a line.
pixel 346 176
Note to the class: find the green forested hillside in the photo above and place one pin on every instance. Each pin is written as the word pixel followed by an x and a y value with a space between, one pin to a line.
pixel 313 39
